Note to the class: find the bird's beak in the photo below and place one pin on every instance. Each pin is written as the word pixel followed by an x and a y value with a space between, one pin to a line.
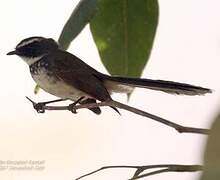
pixel 12 53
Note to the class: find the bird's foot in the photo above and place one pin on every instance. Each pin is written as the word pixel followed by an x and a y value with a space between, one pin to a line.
pixel 39 107
pixel 71 107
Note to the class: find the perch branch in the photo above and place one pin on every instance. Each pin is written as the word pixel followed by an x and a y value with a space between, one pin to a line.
pixel 179 128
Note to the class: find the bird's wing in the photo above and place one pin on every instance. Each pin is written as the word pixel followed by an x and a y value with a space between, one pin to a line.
pixel 78 74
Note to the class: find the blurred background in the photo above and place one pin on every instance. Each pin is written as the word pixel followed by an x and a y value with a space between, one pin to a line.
pixel 186 49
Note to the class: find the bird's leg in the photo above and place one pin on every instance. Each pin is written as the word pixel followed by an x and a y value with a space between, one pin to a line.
pixel 71 106
pixel 39 107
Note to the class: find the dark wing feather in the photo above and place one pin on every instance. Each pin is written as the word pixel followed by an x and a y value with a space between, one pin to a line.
pixel 81 76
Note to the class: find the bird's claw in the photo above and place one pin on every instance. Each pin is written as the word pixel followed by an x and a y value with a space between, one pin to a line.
pixel 71 108
pixel 39 107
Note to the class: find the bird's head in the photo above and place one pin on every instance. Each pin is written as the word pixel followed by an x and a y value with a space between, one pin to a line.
pixel 33 48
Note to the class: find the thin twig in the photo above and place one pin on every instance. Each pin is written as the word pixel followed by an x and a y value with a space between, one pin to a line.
pixel 151 173
pixel 179 128
pixel 140 169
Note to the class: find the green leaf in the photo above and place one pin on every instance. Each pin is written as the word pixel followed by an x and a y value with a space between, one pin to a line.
pixel 36 89
pixel 80 16
pixel 124 31
pixel 212 153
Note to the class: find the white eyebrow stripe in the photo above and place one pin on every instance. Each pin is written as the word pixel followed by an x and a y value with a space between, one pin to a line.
pixel 28 42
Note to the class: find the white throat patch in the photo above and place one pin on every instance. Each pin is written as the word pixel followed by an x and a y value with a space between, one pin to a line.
pixel 32 60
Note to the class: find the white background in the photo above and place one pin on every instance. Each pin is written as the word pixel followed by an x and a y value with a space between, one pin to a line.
pixel 186 49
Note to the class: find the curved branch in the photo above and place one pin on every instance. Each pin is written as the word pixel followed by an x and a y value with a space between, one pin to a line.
pixel 140 169
pixel 179 128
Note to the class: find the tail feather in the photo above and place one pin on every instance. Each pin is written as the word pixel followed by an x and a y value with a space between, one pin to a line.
pixel 171 87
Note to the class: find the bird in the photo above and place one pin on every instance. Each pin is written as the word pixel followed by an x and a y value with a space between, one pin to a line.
pixel 66 76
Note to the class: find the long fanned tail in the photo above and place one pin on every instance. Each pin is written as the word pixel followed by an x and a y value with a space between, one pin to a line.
pixel 122 83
